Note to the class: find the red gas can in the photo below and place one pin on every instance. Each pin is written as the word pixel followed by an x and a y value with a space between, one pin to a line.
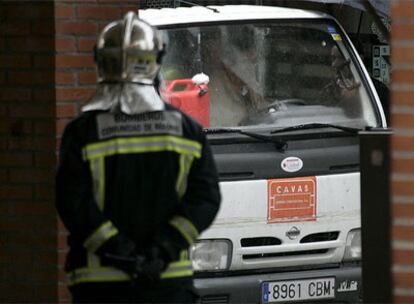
pixel 190 98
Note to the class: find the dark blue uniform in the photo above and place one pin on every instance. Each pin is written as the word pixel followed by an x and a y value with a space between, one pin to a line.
pixel 127 182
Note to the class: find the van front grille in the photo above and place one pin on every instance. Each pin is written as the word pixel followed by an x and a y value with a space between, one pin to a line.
pixel 320 237
pixel 214 299
pixel 283 254
pixel 260 241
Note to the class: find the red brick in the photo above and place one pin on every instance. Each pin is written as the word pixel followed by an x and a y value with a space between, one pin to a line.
pixel 86 44
pixel 16 192
pixel 402 98
pixel 402 31
pixel 403 232
pixel 403 299
pixel 21 143
pixel 31 78
pixel 15 28
pixel 403 76
pixel 13 292
pixel 403 165
pixel 44 127
pixel 34 111
pixel 76 28
pixel 44 192
pixel 46 293
pixel 87 77
pixel 403 280
pixel 403 256
pixel 29 44
pixel 44 143
pixel 31 238
pixel 402 188
pixel 402 143
pixel 16 127
pixel 69 94
pixel 62 276
pixel 61 257
pixel 124 2
pixel 63 294
pixel 60 127
pixel 3 175
pixel 15 61
pixel 403 120
pixel 16 159
pixel 74 61
pixel 44 62
pixel 65 78
pixel 44 159
pixel 2 77
pixel 32 223
pixel 124 9
pixel 43 28
pixel 64 11
pixel 403 10
pixel 65 45
pixel 76 2
pixel 4 127
pixel 33 208
pixel 62 229
pixel 29 11
pixel 403 54
pixel 62 241
pixel 31 175
pixel 98 12
pixel 3 109
pixel 3 143
pixel 42 95
pixel 66 110
pixel 15 94
pixel 42 276
pixel 15 256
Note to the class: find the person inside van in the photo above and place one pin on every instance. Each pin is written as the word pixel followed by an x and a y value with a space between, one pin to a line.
pixel 342 90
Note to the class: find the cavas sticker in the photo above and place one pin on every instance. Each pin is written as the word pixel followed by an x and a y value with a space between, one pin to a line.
pixel 291 200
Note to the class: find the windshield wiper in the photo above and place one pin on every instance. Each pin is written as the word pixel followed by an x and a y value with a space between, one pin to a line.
pixel 317 126
pixel 195 4
pixel 280 144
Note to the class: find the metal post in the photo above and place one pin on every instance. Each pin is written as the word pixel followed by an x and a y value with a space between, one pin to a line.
pixel 375 216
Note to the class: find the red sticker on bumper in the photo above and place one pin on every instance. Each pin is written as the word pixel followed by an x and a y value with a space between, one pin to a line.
pixel 291 200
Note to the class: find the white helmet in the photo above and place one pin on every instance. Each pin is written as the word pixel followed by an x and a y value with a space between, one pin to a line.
pixel 129 50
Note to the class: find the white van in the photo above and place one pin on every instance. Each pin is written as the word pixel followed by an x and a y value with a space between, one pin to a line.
pixel 282 94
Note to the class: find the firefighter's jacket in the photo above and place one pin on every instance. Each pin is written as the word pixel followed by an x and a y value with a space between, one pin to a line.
pixel 145 177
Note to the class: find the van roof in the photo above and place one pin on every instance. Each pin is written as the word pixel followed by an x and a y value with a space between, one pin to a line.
pixel 199 14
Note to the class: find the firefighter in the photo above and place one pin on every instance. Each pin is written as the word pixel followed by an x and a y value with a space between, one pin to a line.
pixel 136 182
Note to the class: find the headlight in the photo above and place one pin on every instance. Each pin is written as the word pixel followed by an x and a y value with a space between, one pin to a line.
pixel 353 245
pixel 211 255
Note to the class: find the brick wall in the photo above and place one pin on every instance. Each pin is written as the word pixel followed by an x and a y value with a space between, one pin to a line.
pixel 403 149
pixel 77 24
pixel 41 92
pixel 46 74
pixel 28 260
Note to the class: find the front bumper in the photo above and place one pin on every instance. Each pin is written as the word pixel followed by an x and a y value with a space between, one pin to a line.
pixel 247 288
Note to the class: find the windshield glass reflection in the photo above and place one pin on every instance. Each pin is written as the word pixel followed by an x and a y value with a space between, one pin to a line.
pixel 265 75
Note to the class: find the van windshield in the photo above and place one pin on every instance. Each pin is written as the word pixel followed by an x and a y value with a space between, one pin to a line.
pixel 265 75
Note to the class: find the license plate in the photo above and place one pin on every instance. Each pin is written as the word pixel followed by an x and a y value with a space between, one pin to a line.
pixel 297 290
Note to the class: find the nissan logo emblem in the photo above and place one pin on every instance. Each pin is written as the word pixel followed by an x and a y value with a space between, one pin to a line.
pixel 293 233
